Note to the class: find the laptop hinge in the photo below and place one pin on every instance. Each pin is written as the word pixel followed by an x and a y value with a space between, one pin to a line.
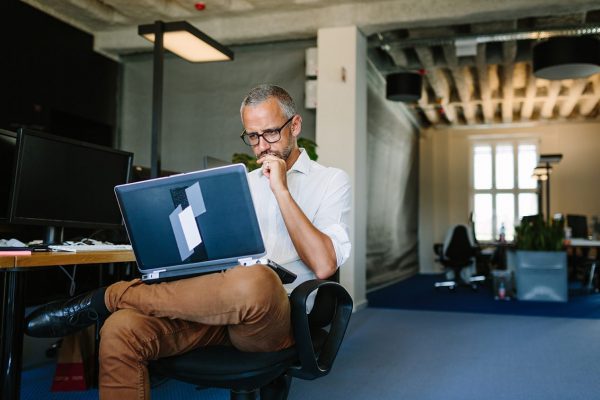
pixel 153 275
pixel 247 261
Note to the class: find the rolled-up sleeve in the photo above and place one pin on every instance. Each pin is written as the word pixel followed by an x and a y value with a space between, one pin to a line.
pixel 332 217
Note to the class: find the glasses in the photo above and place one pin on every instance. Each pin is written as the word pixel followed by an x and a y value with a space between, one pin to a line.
pixel 269 135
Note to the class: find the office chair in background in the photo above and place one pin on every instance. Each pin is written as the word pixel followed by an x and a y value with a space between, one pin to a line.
pixel 458 256
pixel 318 337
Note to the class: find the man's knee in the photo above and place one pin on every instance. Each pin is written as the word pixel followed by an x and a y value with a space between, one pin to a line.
pixel 258 283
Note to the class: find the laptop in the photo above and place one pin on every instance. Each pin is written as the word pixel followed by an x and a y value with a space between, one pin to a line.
pixel 191 224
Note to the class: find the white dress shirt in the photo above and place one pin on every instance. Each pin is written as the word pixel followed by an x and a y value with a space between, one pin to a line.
pixel 322 193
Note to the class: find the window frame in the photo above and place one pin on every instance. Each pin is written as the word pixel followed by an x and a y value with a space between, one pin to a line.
pixel 515 191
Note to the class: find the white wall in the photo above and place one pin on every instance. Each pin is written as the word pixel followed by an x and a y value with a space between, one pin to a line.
pixel 445 170
pixel 202 101
pixel 342 134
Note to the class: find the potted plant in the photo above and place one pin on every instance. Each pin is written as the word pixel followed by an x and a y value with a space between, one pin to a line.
pixel 540 260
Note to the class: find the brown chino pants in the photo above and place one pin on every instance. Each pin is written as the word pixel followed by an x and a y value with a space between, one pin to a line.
pixel 244 306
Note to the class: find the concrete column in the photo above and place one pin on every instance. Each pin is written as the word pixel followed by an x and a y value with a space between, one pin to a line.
pixel 342 134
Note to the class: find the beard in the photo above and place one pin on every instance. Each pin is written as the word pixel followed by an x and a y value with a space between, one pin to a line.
pixel 284 154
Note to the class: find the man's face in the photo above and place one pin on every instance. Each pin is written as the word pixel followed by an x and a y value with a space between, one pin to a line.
pixel 269 116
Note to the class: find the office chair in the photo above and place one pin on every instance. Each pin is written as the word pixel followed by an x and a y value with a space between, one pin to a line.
pixel 458 256
pixel 318 337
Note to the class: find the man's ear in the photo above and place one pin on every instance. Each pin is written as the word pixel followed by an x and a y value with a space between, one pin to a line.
pixel 296 125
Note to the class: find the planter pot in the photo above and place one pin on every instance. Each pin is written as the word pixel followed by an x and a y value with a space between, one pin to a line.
pixel 541 275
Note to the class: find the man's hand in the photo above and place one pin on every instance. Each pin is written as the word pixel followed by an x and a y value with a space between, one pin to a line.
pixel 275 169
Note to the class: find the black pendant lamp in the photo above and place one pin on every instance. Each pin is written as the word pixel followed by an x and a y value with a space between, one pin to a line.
pixel 404 86
pixel 569 57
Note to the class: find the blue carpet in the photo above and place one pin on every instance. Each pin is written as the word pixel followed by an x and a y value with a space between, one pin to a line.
pixel 418 293
pixel 36 383
pixel 427 355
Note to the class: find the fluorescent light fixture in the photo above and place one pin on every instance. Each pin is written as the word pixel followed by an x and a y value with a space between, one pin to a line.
pixel 187 42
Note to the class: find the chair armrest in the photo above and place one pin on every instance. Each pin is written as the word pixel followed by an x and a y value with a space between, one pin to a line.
pixel 333 307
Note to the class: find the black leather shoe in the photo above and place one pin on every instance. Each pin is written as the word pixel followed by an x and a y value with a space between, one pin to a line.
pixel 62 318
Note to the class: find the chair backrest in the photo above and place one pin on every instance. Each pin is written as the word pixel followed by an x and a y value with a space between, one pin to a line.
pixel 459 246
pixel 578 225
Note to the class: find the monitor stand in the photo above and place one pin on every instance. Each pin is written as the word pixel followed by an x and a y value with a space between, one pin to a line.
pixel 54 235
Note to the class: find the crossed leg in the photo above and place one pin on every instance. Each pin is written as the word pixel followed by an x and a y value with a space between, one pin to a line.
pixel 244 306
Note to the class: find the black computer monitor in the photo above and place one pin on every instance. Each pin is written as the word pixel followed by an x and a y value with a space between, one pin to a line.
pixel 8 145
pixel 60 182
pixel 578 225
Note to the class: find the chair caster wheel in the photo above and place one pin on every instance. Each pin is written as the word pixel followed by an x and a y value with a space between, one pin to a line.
pixel 474 287
pixel 451 288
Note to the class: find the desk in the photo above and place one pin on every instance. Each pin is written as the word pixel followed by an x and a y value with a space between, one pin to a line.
pixel 13 305
pixel 582 243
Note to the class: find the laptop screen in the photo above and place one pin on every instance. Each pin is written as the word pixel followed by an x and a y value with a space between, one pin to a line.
pixel 194 219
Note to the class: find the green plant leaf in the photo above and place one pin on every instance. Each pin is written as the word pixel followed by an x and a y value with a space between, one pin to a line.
pixel 539 235
pixel 310 147
pixel 246 159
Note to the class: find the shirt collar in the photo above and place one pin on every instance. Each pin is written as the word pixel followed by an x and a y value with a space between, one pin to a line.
pixel 302 164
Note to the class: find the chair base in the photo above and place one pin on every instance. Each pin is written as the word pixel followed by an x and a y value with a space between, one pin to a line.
pixel 277 390
pixel 452 284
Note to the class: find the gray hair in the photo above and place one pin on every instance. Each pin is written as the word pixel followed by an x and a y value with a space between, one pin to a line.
pixel 263 92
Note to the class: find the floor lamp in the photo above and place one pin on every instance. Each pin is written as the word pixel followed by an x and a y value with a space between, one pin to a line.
pixel 187 42
pixel 542 173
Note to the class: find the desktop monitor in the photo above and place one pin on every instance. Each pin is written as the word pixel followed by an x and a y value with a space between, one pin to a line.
pixel 61 182
pixel 140 173
pixel 8 144
pixel 578 225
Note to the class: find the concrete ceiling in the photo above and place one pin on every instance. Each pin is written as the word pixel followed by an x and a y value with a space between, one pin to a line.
pixel 494 86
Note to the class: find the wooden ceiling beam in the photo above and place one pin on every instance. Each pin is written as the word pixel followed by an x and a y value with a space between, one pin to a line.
pixel 463 81
pixel 529 100
pixel 575 92
pixel 438 81
pixel 548 107
pixel 587 106
pixel 484 84
pixel 399 57
pixel 509 52
pixel 429 108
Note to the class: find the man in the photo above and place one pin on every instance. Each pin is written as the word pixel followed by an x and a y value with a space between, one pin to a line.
pixel 302 209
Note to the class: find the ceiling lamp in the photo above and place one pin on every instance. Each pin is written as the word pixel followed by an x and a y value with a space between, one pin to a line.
pixel 187 42
pixel 404 86
pixel 564 57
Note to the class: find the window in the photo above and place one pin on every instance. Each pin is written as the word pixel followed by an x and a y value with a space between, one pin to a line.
pixel 503 190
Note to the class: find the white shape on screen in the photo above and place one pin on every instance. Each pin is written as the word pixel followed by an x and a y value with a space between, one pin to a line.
pixel 190 229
